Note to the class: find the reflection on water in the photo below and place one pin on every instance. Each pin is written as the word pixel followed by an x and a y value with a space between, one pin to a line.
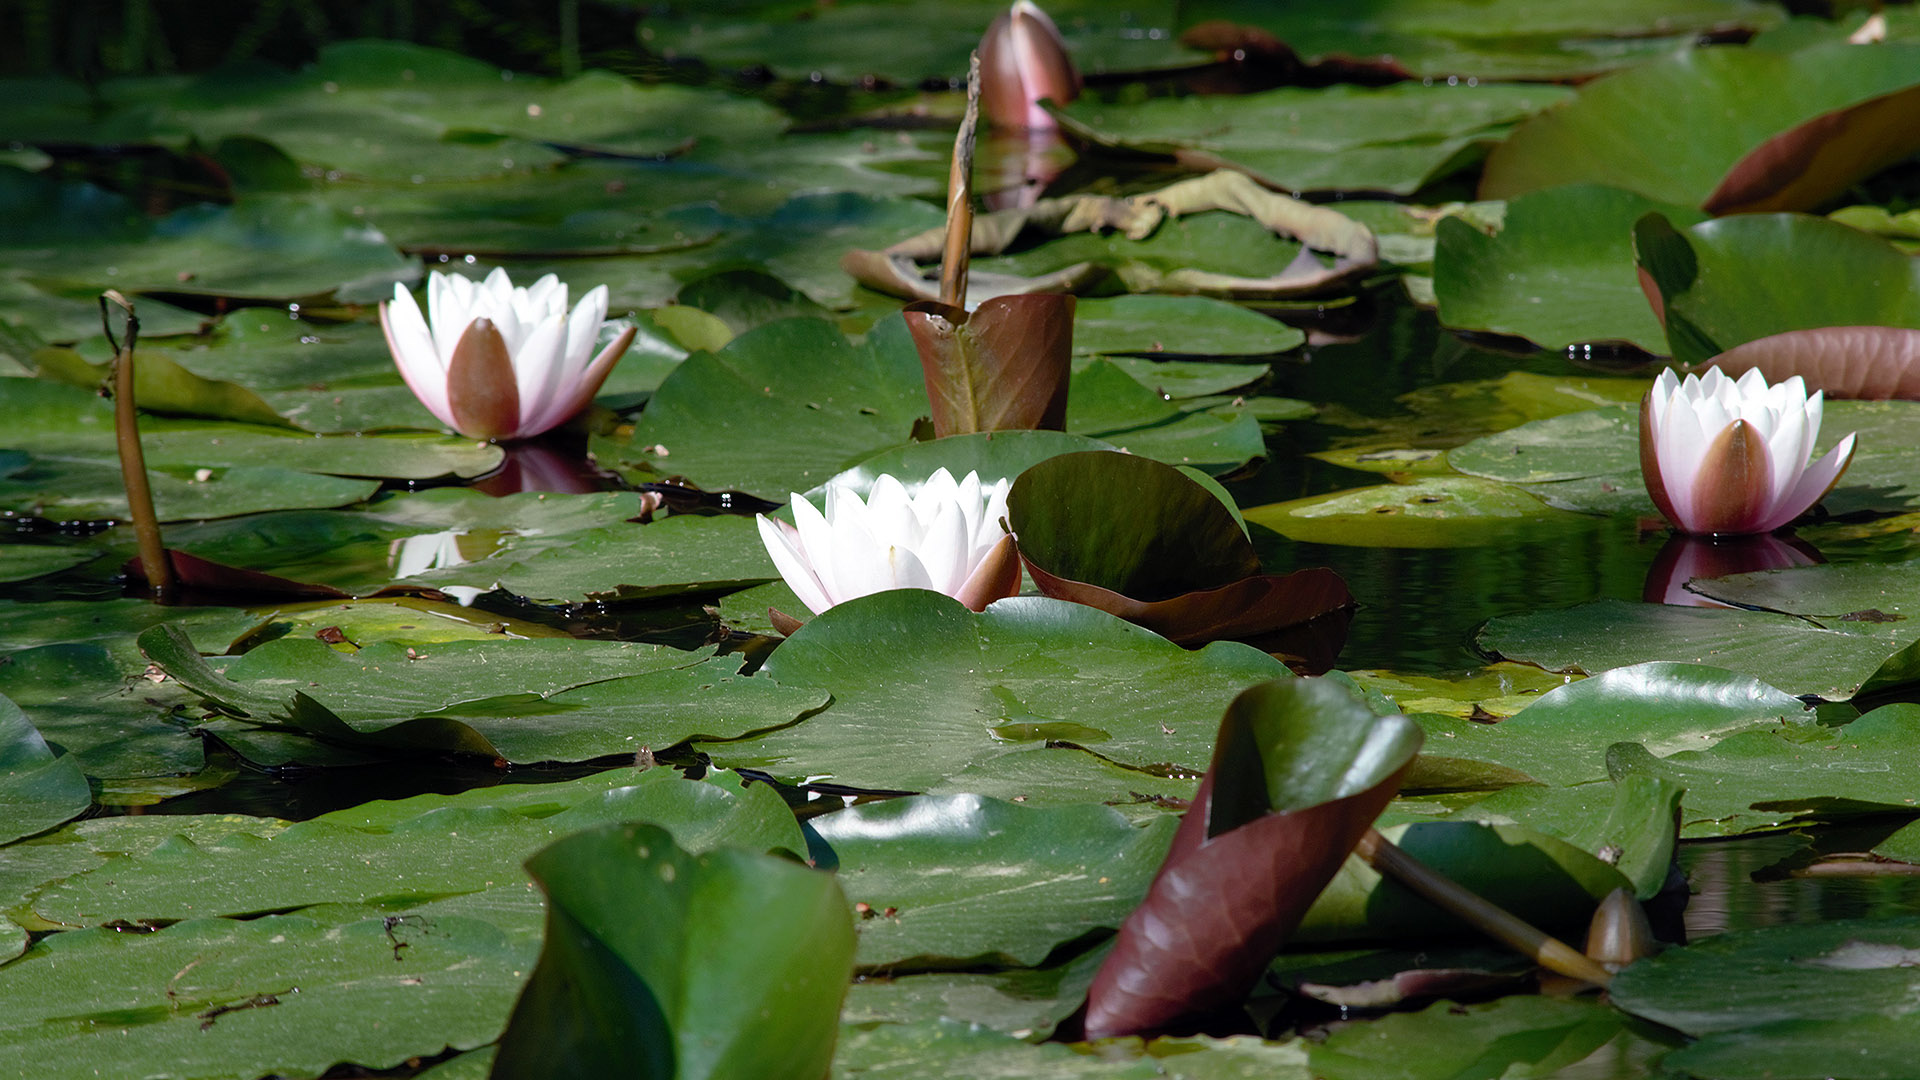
pixel 1750 882
pixel 1685 558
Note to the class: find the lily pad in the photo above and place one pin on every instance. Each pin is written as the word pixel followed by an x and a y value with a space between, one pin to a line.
pixel 1518 1036
pixel 1562 738
pixel 1560 271
pixel 1756 781
pixel 216 997
pixel 408 852
pixel 737 968
pixel 1340 138
pixel 1430 511
pixel 1811 1000
pixel 684 553
pixel 1727 282
pixel 37 789
pixel 1177 326
pixel 1702 127
pixel 524 701
pixel 1792 654
pixel 976 688
pixel 23 562
pixel 1050 873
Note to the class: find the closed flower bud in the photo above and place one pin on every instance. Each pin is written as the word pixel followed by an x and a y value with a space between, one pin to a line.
pixel 1023 62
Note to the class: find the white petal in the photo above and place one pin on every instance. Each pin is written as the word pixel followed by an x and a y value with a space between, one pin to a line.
pixel 1811 486
pixel 541 378
pixel 583 329
pixel 415 355
pixel 782 543
pixel 816 545
pixel 944 554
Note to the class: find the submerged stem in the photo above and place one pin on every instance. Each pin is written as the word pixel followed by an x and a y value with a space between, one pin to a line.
pixel 953 262
pixel 133 461
pixel 1490 919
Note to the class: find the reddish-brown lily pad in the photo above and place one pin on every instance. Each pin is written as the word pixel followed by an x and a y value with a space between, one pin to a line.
pixel 1300 771
pixel 1873 363
pixel 1154 545
pixel 1003 366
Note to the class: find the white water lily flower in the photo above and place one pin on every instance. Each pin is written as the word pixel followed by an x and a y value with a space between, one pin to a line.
pixel 944 536
pixel 496 362
pixel 1724 457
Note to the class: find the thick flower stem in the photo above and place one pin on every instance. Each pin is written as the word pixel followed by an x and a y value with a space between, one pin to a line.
pixel 953 262
pixel 1496 922
pixel 133 462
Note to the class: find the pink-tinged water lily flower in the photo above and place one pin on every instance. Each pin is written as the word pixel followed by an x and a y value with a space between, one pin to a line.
pixel 496 362
pixel 944 536
pixel 1022 62
pixel 1724 458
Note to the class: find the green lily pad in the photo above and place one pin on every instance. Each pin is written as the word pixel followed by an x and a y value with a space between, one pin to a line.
pixel 977 687
pixel 408 852
pixel 1512 39
pixel 1106 403
pixel 265 247
pixel 23 562
pixel 524 701
pixel 1674 129
pixel 1346 138
pixel 37 789
pixel 952 1048
pixel 1629 824
pixel 285 994
pixel 1827 594
pixel 1544 880
pixel 1041 876
pixel 1757 780
pixel 1730 281
pixel 1792 654
pixel 1562 738
pixel 1560 271
pixel 1519 1036
pixel 736 969
pixel 1177 326
pixel 680 554
pixel 1827 999
pixel 864 39
pixel 1430 511
pixel 1021 1002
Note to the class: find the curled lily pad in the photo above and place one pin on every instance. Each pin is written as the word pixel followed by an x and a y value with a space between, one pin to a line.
pixel 1871 362
pixel 1300 771
pixel 1708 128
pixel 1151 544
pixel 1002 366
pixel 661 964
pixel 1724 283
pixel 896 270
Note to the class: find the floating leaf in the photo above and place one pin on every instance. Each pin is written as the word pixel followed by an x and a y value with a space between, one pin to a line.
pixel 37 789
pixel 1559 272
pixel 1138 539
pixel 1300 771
pixel 734 967
pixel 1043 876
pixel 1703 127
pixel 1001 366
pixel 1724 283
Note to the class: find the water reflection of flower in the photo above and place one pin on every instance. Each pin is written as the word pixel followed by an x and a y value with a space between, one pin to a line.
pixel 944 535
pixel 1687 558
pixel 1722 457
pixel 493 361
pixel 412 556
pixel 536 466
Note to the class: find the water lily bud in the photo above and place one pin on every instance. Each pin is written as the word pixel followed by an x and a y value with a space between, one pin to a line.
pixel 1725 458
pixel 944 536
pixel 1023 62
pixel 492 361
pixel 1620 933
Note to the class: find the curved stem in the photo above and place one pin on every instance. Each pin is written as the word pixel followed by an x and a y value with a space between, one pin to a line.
pixel 953 262
pixel 133 461
pixel 1490 919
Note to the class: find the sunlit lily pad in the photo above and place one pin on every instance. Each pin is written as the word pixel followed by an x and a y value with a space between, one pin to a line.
pixel 1790 653
pixel 1559 271
pixel 978 687
pixel 37 789
pixel 1693 128
pixel 1756 781
pixel 1052 873
pixel 1727 282
pixel 408 852
pixel 1521 1035
pixel 1435 511
pixel 544 700
pixel 1177 326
